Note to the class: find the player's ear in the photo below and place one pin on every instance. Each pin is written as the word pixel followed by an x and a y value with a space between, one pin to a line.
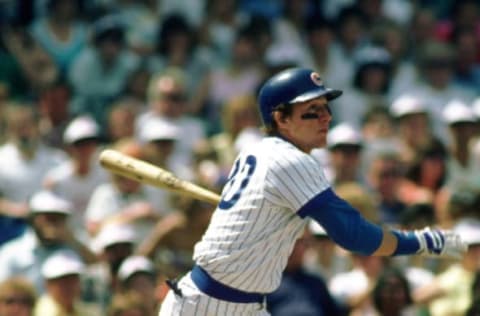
pixel 279 117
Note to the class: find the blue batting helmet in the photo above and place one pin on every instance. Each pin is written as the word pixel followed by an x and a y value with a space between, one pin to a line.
pixel 291 86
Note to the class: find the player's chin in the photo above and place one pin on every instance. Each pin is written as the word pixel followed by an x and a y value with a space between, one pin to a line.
pixel 321 141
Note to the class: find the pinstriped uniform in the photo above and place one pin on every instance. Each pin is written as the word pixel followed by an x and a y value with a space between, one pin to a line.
pixel 253 230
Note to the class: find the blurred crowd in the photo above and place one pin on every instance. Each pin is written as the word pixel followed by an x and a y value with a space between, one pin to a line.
pixel 174 82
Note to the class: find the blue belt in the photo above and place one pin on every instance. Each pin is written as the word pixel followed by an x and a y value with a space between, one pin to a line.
pixel 213 288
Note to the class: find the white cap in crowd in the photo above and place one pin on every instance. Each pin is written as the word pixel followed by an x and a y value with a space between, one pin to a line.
pixel 469 231
pixel 156 129
pixel 280 54
pixel 372 55
pixel 113 234
pixel 406 105
pixel 457 111
pixel 135 264
pixel 62 263
pixel 81 128
pixel 48 202
pixel 344 134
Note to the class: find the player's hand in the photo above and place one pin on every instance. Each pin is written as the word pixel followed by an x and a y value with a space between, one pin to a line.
pixel 436 242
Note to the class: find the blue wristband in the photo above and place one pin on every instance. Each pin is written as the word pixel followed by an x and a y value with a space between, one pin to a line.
pixel 408 243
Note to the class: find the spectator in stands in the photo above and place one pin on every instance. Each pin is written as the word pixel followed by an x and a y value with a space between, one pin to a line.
pixel 238 114
pixel 128 304
pixel 392 295
pixel 420 29
pixel 379 131
pixel 450 293
pixel 323 257
pixel 24 161
pixel 350 36
pixel 13 82
pixel 121 119
pixel 125 201
pixel 301 292
pixel 288 29
pixel 141 20
pixel 172 239
pixel 61 32
pixel 384 176
pixel 17 297
pixel 100 71
pixel 393 38
pixel 415 126
pixel 221 20
pixel 48 232
pixel 353 288
pixel 241 75
pixel 77 178
pixel 138 274
pixel 425 176
pixel 435 65
pixel 320 34
pixel 62 271
pixel 462 125
pixel 345 146
pixel 159 138
pixel 178 46
pixel 53 107
pixel 112 245
pixel 370 85
pixel 36 65
pixel 467 64
pixel 167 99
pixel 463 14
pixel 136 85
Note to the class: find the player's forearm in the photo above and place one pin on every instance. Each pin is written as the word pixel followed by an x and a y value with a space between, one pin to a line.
pixel 388 245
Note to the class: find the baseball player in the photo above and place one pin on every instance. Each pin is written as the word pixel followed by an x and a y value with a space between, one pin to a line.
pixel 272 188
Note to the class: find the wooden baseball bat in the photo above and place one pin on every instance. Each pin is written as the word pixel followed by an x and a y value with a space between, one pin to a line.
pixel 147 173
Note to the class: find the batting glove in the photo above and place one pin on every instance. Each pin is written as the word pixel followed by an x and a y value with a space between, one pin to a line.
pixel 434 242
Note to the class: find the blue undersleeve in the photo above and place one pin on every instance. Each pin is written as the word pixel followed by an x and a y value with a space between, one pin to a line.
pixel 344 224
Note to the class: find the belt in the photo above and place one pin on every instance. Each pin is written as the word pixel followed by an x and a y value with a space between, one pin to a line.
pixel 213 288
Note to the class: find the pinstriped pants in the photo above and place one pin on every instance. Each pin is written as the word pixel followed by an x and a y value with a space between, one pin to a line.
pixel 194 303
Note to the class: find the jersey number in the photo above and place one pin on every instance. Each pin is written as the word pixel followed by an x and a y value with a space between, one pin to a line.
pixel 237 182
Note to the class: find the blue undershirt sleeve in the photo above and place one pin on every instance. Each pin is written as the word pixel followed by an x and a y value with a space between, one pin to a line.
pixel 343 224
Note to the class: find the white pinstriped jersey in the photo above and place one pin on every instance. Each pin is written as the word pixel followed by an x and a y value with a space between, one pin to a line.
pixel 254 228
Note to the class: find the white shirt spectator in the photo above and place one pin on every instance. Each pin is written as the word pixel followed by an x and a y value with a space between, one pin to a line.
pixel 20 178
pixel 77 189
pixel 108 201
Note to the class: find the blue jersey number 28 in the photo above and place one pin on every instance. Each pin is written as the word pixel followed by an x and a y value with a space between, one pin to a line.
pixel 237 182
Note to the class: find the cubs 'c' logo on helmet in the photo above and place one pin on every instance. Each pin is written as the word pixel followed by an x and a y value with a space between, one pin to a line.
pixel 316 79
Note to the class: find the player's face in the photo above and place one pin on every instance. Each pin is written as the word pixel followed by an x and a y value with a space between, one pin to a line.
pixel 307 126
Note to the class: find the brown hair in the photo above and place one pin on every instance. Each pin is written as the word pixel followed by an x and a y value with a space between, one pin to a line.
pixel 285 110
pixel 18 285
